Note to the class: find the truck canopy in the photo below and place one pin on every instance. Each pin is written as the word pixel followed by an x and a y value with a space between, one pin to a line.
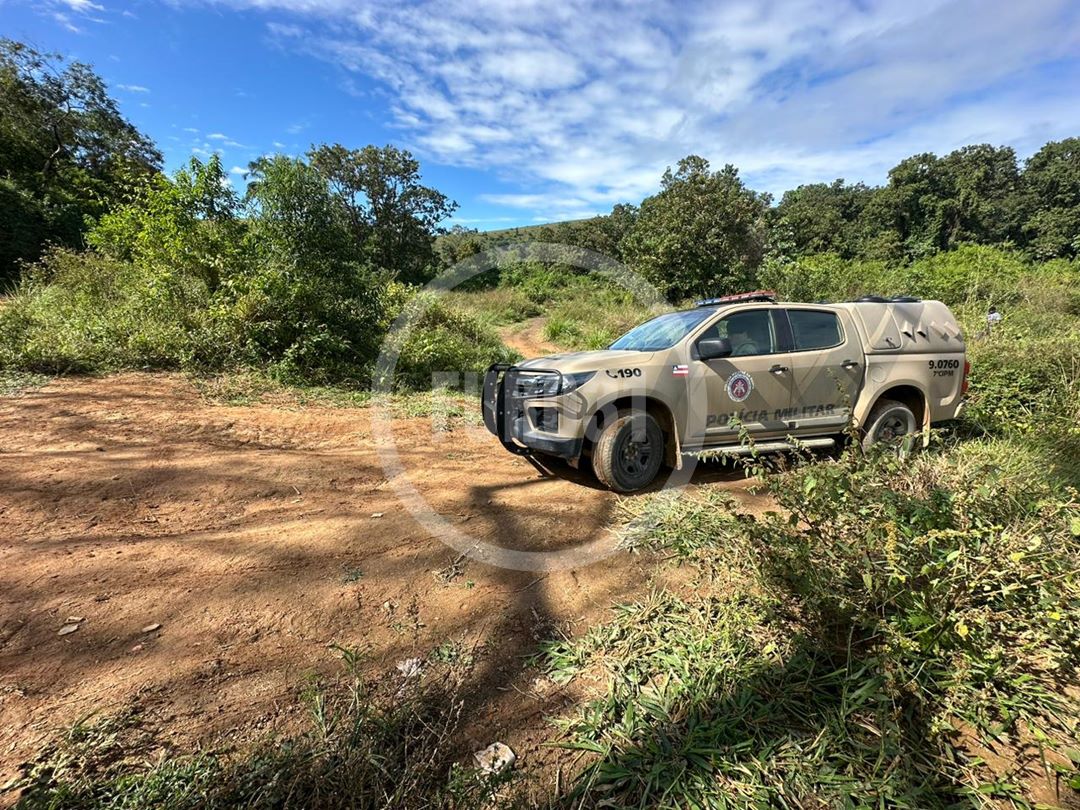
pixel 906 327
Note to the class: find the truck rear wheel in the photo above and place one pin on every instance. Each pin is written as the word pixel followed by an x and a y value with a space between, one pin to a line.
pixel 629 451
pixel 890 421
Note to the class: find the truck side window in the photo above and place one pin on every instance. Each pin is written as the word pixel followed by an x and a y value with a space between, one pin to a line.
pixel 814 329
pixel 749 332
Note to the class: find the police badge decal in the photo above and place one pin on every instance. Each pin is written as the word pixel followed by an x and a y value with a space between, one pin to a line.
pixel 739 386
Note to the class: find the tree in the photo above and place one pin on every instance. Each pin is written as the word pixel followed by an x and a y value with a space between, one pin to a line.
pixel 189 225
pixel 823 217
pixel 704 233
pixel 1051 193
pixel 388 210
pixel 66 152
pixel 983 196
pixel 309 301
pixel 931 204
pixel 458 244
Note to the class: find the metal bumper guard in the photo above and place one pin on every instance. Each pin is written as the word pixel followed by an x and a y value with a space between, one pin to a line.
pixel 503 404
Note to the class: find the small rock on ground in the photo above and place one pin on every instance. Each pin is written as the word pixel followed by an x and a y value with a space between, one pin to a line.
pixel 496 758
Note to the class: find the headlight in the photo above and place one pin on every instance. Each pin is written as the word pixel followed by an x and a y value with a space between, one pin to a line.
pixel 572 382
pixel 547 384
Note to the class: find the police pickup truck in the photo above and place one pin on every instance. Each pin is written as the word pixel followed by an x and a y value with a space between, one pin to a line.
pixel 704 381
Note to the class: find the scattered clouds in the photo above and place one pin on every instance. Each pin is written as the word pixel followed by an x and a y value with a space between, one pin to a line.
pixel 62 12
pixel 65 22
pixel 238 170
pixel 81 6
pixel 580 105
pixel 133 88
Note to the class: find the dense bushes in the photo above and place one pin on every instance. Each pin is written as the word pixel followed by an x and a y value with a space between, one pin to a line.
pixel 970 273
pixel 186 275
pixel 86 312
pixel 444 342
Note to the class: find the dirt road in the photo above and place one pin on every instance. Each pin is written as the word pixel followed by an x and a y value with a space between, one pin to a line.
pixel 256 536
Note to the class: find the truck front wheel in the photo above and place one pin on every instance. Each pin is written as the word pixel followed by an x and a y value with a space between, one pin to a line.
pixel 890 421
pixel 629 452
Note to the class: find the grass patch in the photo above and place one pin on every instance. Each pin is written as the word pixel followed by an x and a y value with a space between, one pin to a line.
pixel 585 322
pixel 499 306
pixel 13 383
pixel 387 745
pixel 854 649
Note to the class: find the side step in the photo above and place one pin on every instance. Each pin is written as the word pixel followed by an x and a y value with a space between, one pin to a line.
pixel 760 447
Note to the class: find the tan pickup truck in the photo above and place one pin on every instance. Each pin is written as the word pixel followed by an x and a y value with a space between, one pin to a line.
pixel 699 381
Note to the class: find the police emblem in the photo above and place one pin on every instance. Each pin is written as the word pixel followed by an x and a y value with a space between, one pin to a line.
pixel 739 386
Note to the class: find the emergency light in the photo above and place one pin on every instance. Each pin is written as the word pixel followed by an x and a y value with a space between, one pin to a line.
pixel 756 295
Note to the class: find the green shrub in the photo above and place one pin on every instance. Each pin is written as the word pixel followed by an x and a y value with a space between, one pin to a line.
pixel 179 281
pixel 825 277
pixel 444 343
pixel 968 273
pixel 85 312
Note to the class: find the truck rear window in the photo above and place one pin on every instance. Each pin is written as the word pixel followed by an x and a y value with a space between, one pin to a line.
pixel 814 329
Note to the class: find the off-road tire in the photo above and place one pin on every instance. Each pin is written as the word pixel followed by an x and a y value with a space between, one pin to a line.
pixel 889 421
pixel 623 465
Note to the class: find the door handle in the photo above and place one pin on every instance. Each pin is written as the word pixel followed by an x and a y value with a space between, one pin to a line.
pixel 778 369
pixel 849 364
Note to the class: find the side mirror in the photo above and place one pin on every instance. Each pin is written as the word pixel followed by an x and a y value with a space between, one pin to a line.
pixel 712 348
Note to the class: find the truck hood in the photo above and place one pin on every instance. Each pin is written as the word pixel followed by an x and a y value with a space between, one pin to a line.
pixel 571 362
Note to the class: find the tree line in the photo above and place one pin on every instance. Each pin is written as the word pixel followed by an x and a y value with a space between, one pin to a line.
pixel 68 158
pixel 706 232
pixel 109 262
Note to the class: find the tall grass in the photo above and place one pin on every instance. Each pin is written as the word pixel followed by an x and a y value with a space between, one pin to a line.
pixel 382 746
pixel 82 312
pixel 831 654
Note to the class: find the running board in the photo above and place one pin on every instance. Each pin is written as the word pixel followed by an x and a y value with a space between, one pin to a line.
pixel 760 447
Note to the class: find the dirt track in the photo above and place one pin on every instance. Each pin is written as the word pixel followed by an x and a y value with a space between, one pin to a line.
pixel 248 534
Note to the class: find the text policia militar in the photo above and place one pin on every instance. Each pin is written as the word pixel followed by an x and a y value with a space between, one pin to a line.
pixel 777 415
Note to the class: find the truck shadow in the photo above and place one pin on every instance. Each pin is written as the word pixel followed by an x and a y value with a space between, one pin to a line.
pixel 713 472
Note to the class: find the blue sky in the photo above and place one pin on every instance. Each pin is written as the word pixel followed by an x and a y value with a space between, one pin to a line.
pixel 527 111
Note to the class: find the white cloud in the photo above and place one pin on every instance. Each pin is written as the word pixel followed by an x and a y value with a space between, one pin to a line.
pixel 133 88
pixel 66 22
pixel 81 6
pixel 278 145
pixel 238 170
pixel 580 104
pixel 217 136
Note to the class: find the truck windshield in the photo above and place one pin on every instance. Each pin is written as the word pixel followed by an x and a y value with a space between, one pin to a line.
pixel 662 332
